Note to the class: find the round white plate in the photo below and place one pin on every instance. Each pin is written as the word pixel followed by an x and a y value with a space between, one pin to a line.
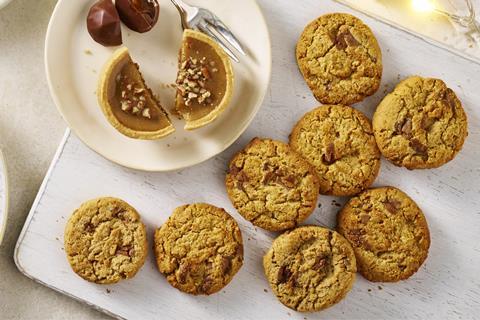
pixel 73 63
pixel 3 196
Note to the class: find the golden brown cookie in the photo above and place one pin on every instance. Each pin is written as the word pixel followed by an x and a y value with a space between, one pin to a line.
pixel 340 59
pixel 310 268
pixel 388 232
pixel 199 249
pixel 271 185
pixel 338 141
pixel 421 124
pixel 105 241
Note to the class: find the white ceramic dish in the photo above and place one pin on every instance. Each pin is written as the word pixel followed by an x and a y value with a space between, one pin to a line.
pixel 3 196
pixel 73 62
pixel 3 3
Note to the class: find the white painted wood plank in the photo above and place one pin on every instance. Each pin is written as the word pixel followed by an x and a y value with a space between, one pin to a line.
pixel 447 285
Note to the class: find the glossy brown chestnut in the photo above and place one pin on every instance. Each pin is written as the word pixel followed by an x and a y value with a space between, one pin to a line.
pixel 103 23
pixel 138 15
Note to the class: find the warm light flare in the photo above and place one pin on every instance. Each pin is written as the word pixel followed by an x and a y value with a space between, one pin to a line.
pixel 423 5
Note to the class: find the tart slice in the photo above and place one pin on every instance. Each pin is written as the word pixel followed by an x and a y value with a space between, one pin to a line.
pixel 128 103
pixel 204 80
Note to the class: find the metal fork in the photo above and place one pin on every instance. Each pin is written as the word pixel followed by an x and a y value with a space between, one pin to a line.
pixel 207 22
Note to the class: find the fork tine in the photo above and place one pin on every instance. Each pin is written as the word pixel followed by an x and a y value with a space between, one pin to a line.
pixel 223 30
pixel 206 30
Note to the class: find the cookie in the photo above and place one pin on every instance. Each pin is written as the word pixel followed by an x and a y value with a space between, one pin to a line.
pixel 199 249
pixel 310 268
pixel 272 186
pixel 105 241
pixel 338 141
pixel 388 232
pixel 421 124
pixel 340 59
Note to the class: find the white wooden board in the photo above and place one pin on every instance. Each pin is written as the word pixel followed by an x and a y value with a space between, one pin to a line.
pixel 447 285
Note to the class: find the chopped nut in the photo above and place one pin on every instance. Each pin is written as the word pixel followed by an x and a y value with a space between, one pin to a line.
pixel 191 81
pixel 126 105
pixel 135 110
pixel 214 70
pixel 212 63
pixel 129 86
pixel 146 113
pixel 138 90
pixel 124 94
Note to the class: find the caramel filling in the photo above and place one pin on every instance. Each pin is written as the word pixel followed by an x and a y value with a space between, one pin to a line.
pixel 201 80
pixel 132 102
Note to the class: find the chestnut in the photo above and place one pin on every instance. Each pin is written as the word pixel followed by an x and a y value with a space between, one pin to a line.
pixel 103 23
pixel 138 15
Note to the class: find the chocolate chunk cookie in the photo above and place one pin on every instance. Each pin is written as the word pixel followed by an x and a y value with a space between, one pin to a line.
pixel 421 124
pixel 271 185
pixel 105 241
pixel 338 141
pixel 199 249
pixel 388 232
pixel 310 268
pixel 340 59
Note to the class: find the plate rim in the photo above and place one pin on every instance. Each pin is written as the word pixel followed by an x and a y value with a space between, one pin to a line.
pixel 3 225
pixel 56 100
pixel 3 4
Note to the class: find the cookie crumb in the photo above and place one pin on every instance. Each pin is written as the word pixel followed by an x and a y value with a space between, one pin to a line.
pixel 108 291
pixel 265 290
pixel 88 52
pixel 369 290
pixel 380 288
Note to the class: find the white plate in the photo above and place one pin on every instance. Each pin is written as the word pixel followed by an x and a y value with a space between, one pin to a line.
pixel 3 3
pixel 3 196
pixel 72 76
